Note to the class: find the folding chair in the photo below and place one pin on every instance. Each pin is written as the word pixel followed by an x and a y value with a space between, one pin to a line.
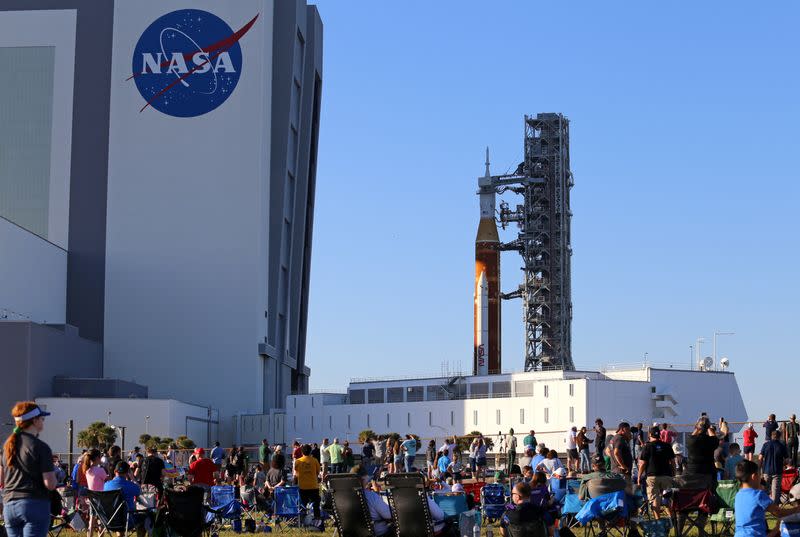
pixel 570 506
pixel 186 513
pixel 226 508
pixel 493 502
pixel 62 510
pixel 474 490
pixel 692 507
pixel 287 510
pixel 350 512
pixel 788 480
pixel 790 528
pixel 409 503
pixel 452 504
pixel 110 510
pixel 723 521
pixel 606 515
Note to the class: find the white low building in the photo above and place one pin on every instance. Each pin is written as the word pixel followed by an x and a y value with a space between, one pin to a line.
pixel 156 417
pixel 549 402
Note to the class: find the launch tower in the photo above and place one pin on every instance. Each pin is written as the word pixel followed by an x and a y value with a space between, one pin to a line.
pixel 544 181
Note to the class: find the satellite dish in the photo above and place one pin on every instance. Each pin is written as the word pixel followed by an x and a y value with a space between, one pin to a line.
pixel 708 363
pixel 724 362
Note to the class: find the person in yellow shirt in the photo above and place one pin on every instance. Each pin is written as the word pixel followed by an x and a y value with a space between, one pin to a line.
pixel 306 474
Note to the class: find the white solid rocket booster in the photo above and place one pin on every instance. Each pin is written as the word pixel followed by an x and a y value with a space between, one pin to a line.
pixel 482 309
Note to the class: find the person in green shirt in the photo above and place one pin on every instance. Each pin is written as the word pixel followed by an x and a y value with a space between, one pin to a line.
pixel 599 473
pixel 336 452
pixel 791 431
pixel 263 453
pixel 530 441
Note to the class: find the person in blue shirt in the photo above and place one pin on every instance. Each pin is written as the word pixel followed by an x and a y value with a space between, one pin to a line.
pixel 752 503
pixel 410 448
pixel 442 464
pixel 772 457
pixel 129 491
pixel 217 455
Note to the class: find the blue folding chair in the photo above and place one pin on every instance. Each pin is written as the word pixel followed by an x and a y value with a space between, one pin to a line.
pixel 493 501
pixel 226 508
pixel 790 528
pixel 570 506
pixel 452 504
pixel 287 509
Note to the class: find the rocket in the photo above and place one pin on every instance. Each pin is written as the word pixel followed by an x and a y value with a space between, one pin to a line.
pixel 486 327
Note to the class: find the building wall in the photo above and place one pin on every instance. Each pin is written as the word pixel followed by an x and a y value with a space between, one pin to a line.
pixel 310 417
pixel 186 225
pixel 296 98
pixel 168 417
pixel 80 31
pixel 33 276
pixel 39 353
pixel 569 402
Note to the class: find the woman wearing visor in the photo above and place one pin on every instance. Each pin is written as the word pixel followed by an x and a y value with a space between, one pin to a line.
pixel 27 474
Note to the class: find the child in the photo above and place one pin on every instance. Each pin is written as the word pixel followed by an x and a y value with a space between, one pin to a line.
pixel 752 503
pixel 734 456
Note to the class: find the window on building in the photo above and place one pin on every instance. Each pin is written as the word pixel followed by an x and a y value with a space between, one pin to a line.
pixel 475 418
pixel 394 395
pixel 430 418
pixel 375 395
pixel 452 418
pixel 356 397
pixel 436 393
pixel 497 416
pixel 522 415
pixel 571 389
pixel 408 419
pixel 572 414
pixel 367 420
pixel 415 393
pixel 547 415
pixel 546 390
pixel 294 401
pixel 312 423
pixel 523 388
pixel 330 422
pixel 312 402
pixel 479 390
pixel 387 420
pixel 501 389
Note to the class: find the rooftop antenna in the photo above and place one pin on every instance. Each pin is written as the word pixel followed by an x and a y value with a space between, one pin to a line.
pixel 488 173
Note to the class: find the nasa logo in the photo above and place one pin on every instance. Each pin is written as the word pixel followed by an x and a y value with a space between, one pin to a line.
pixel 188 62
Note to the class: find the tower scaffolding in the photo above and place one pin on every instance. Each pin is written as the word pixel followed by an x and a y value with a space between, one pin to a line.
pixel 544 181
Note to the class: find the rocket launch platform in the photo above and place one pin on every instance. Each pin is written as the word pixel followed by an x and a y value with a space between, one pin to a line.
pixel 544 181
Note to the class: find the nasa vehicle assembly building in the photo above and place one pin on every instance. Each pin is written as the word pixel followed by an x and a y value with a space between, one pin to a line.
pixel 156 205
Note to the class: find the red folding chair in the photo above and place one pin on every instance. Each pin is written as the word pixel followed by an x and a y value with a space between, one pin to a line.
pixel 788 480
pixel 474 490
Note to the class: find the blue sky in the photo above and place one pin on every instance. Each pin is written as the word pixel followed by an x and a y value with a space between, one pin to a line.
pixel 685 156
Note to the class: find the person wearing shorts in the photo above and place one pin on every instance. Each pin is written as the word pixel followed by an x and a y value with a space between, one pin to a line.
pixel 750 436
pixel 656 465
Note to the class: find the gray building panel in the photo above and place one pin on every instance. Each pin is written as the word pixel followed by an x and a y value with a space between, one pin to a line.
pixel 298 28
pixel 39 353
pixel 89 160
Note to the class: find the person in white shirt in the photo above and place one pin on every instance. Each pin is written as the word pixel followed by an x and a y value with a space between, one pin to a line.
pixel 511 449
pixel 572 449
pixel 325 456
pixel 379 510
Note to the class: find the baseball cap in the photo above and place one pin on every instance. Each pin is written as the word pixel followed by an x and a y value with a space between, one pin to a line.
pixel 199 451
pixel 560 472
pixel 122 467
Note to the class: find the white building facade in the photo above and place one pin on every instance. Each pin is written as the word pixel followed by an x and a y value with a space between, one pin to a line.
pixel 549 402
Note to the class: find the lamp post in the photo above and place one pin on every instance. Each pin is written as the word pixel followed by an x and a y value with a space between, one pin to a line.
pixel 147 425
pixel 714 350
pixel 691 357
pixel 108 418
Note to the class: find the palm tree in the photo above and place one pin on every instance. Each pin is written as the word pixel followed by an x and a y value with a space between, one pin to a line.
pixel 97 435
